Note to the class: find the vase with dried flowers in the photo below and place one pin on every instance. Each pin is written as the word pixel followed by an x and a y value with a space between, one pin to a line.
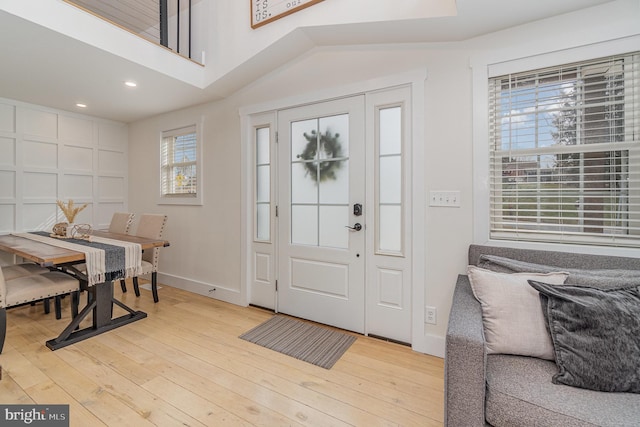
pixel 70 212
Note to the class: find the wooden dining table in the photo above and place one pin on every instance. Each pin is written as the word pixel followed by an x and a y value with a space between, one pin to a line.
pixel 100 301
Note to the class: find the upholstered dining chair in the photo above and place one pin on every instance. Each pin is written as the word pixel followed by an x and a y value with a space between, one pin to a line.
pixel 26 269
pixel 34 287
pixel 150 226
pixel 20 270
pixel 120 223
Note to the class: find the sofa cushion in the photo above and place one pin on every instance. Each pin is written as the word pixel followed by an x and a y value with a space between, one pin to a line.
pixel 511 314
pixel 597 278
pixel 596 335
pixel 520 393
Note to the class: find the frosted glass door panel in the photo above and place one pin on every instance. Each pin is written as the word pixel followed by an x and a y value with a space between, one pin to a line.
pixel 304 225
pixel 391 179
pixel 320 181
pixel 263 221
pixel 334 136
pixel 390 185
pixel 390 228
pixel 335 190
pixel 301 136
pixel 333 233
pixel 262 146
pixel 303 186
pixel 263 184
pixel 390 120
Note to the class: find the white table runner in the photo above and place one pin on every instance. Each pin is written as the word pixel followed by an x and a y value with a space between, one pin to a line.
pixel 95 258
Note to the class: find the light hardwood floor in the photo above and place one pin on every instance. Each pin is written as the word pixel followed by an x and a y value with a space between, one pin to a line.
pixel 185 365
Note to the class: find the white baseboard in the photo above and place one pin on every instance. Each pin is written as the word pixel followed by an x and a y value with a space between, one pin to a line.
pixel 201 288
pixel 430 344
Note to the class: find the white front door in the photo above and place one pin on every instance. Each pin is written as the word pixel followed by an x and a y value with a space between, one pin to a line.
pixel 321 189
pixel 337 166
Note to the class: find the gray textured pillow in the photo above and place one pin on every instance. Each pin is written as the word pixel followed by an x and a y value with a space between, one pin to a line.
pixel 596 278
pixel 595 334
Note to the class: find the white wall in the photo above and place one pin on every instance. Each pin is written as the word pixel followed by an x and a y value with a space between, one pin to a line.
pixel 48 154
pixel 205 240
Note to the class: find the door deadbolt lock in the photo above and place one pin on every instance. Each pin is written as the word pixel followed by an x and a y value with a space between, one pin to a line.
pixel 356 227
pixel 357 209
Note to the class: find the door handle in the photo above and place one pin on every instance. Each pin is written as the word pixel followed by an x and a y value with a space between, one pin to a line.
pixel 356 227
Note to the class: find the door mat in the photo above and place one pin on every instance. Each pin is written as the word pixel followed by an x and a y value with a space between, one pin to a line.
pixel 305 341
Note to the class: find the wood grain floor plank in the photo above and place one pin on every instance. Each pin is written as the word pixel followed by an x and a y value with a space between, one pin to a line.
pixel 408 392
pixel 308 380
pixel 185 365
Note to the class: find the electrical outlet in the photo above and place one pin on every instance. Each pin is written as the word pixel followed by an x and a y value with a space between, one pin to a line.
pixel 430 315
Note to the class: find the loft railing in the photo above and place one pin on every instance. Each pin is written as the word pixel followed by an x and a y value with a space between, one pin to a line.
pixel 165 22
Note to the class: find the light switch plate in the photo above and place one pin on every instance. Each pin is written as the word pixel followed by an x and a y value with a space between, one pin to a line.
pixel 444 198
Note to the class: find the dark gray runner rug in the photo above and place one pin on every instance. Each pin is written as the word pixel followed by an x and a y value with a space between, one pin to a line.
pixel 302 340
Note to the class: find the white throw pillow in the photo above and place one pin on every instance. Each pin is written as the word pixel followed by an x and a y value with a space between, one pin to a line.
pixel 511 311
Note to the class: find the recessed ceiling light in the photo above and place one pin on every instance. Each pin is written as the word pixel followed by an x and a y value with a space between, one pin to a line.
pixel 130 83
pixel 81 105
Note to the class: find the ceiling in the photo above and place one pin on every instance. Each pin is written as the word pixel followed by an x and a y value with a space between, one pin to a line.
pixel 44 67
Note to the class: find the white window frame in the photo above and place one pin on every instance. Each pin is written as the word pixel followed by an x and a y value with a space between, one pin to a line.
pixel 182 198
pixel 485 66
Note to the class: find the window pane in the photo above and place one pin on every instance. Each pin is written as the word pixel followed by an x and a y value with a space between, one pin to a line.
pixel 334 136
pixel 335 188
pixel 262 146
pixel 304 140
pixel 263 184
pixel 263 221
pixel 179 172
pixel 566 164
pixel 390 228
pixel 389 173
pixel 303 186
pixel 390 179
pixel 320 181
pixel 333 232
pixel 304 225
pixel 185 148
pixel 390 130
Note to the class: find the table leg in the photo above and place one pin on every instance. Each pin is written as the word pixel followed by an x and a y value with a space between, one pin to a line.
pixel 101 305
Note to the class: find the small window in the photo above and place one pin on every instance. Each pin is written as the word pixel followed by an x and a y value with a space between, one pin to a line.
pixel 180 183
pixel 565 153
pixel 263 184
pixel 389 137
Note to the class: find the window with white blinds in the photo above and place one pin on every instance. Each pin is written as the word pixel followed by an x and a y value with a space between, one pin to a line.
pixel 565 153
pixel 179 163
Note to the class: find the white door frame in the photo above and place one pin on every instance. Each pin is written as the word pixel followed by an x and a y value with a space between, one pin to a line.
pixel 420 340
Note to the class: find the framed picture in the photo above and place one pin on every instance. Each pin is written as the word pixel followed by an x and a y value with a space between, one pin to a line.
pixel 265 11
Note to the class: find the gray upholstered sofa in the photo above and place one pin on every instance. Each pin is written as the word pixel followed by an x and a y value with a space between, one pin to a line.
pixel 507 390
